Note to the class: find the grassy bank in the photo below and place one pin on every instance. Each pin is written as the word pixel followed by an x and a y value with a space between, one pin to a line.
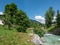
pixel 12 37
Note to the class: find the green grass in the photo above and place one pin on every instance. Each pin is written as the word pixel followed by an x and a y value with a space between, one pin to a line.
pixel 12 37
pixel 51 28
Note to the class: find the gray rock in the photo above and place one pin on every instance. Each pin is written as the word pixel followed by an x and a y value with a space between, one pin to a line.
pixel 36 39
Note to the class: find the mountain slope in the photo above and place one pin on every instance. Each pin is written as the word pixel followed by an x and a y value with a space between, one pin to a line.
pixel 34 23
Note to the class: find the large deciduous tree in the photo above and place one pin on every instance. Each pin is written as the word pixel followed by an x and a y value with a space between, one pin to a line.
pixel 15 18
pixel 49 17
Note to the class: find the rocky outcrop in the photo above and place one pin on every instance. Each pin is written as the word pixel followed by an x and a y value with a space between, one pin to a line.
pixel 36 39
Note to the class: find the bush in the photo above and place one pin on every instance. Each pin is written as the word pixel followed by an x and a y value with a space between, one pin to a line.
pixel 39 32
pixel 21 29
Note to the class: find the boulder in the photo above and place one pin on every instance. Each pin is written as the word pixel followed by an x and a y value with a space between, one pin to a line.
pixel 36 39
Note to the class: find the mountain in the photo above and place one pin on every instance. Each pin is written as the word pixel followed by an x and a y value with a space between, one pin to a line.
pixel 34 23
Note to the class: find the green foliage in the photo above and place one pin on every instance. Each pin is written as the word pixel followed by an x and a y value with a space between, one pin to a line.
pixel 9 14
pixel 49 17
pixel 37 27
pixel 1 17
pixel 40 32
pixel 58 19
pixel 35 24
pixel 15 18
pixel 22 21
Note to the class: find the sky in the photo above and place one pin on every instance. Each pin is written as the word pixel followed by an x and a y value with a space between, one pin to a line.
pixel 35 9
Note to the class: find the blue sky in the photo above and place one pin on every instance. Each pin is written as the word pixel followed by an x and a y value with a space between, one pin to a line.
pixel 32 8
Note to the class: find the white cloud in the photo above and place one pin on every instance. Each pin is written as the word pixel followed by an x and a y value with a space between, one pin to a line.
pixel 40 19
pixel 54 19
pixel 1 13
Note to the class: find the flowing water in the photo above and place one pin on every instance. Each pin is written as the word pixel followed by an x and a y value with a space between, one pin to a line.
pixel 51 39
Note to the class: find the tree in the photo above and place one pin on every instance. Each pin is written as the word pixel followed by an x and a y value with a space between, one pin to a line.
pixel 15 18
pixel 49 17
pixel 9 14
pixel 22 21
pixel 58 19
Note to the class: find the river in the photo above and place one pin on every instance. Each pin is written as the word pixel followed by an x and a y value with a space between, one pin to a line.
pixel 51 39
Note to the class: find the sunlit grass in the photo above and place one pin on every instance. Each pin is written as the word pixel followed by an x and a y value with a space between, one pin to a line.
pixel 12 37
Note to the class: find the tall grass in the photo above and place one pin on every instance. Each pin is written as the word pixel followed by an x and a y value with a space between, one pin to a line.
pixel 12 37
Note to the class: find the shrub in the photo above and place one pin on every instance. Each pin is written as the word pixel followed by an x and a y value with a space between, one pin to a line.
pixel 39 32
